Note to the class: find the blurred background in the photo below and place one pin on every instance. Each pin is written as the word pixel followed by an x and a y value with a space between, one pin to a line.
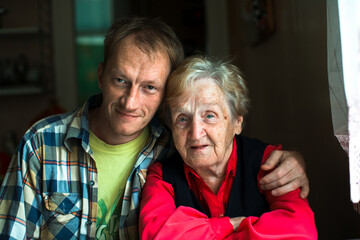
pixel 50 50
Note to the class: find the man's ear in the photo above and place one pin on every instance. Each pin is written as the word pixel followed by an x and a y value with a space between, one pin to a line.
pixel 100 71
pixel 238 124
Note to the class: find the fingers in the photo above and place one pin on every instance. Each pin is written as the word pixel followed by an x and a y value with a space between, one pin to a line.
pixel 305 189
pixel 290 163
pixel 288 176
pixel 291 186
pixel 287 184
pixel 281 171
pixel 272 161
pixel 284 189
pixel 277 179
pixel 278 188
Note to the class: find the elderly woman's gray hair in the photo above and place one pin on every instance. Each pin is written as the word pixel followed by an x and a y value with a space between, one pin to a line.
pixel 226 75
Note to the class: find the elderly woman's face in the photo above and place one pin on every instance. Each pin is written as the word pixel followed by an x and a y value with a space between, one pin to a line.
pixel 203 129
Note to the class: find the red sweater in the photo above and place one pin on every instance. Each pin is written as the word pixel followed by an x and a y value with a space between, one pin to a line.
pixel 290 216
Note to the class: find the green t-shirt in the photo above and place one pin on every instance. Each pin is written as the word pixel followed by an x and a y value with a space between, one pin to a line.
pixel 114 164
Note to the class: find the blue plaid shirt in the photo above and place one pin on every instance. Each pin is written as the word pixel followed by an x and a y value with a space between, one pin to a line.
pixel 50 189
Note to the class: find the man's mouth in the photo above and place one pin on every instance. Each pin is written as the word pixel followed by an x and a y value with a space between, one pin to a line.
pixel 127 115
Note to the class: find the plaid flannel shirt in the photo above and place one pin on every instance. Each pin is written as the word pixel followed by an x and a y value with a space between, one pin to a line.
pixel 50 189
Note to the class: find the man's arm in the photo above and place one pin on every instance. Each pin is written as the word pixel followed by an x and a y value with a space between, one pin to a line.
pixel 289 173
pixel 20 209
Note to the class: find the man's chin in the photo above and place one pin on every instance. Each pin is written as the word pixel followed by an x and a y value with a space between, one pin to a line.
pixel 128 132
pixel 128 129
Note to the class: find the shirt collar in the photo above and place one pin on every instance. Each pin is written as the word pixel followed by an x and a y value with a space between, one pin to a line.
pixel 79 127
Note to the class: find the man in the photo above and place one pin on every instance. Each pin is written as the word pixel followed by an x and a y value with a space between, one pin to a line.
pixel 80 174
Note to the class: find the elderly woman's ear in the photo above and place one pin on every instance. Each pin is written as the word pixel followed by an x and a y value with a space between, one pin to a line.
pixel 238 124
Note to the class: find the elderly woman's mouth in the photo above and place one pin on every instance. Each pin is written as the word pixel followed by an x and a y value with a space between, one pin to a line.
pixel 199 147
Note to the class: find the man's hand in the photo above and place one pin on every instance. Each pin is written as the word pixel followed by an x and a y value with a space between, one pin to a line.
pixel 288 176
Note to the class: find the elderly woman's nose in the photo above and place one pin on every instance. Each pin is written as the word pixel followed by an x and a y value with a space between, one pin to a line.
pixel 197 130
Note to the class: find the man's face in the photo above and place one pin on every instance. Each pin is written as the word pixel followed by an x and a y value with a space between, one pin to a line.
pixel 133 85
pixel 202 127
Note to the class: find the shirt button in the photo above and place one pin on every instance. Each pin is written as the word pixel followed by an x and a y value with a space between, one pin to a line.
pixel 92 183
pixel 221 215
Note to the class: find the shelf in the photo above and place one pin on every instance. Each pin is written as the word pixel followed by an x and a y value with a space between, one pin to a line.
pixel 19 90
pixel 19 31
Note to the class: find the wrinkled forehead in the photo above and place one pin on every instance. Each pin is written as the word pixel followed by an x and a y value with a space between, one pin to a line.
pixel 202 92
pixel 153 51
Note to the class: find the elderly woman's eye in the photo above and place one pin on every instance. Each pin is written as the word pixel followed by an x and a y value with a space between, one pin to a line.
pixel 149 87
pixel 209 116
pixel 182 119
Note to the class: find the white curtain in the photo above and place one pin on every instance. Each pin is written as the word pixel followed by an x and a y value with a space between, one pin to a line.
pixel 343 20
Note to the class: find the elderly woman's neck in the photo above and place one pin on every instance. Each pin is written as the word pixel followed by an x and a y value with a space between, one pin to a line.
pixel 213 176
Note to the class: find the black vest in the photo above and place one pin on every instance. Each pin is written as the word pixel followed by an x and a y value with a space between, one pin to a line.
pixel 245 198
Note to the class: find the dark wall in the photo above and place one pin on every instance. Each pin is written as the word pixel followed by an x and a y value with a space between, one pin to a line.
pixel 287 78
pixel 186 17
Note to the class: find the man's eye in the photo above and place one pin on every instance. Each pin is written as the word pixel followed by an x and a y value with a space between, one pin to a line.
pixel 210 116
pixel 120 80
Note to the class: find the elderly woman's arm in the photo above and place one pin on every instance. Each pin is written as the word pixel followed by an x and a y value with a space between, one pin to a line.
pixel 290 216
pixel 159 217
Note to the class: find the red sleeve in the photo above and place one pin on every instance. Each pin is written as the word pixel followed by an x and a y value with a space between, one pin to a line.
pixel 290 217
pixel 160 219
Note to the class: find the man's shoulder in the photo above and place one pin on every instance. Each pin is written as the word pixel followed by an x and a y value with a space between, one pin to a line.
pixel 55 128
pixel 61 123
pixel 163 144
pixel 52 123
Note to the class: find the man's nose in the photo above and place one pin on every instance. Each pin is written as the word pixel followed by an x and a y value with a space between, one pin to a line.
pixel 131 99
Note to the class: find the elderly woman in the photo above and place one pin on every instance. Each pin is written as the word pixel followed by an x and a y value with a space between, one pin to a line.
pixel 210 189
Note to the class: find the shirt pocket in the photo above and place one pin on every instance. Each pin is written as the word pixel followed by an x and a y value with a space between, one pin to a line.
pixel 62 209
